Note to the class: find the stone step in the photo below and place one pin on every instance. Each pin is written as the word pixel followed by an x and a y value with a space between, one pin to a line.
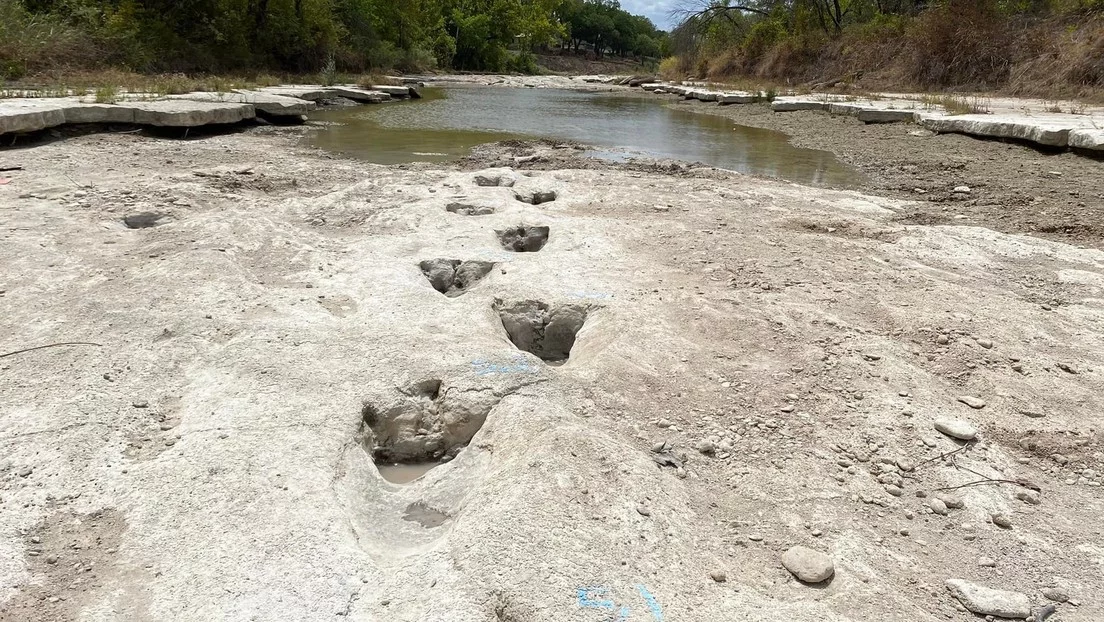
pixel 29 115
pixel 269 104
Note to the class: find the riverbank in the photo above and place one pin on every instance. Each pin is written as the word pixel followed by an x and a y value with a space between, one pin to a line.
pixel 1014 188
pixel 752 365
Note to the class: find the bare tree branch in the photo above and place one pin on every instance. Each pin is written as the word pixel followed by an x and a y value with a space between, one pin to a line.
pixel 706 10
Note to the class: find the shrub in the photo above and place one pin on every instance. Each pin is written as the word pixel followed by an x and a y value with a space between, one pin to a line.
pixel 669 68
pixel 524 62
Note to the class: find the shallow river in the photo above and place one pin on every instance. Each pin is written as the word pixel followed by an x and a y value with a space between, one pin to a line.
pixel 449 122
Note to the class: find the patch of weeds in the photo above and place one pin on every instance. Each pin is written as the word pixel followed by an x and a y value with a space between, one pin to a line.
pixel 956 104
pixel 329 72
pixel 107 95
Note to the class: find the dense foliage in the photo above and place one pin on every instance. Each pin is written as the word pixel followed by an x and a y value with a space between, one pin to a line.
pixel 923 43
pixel 311 35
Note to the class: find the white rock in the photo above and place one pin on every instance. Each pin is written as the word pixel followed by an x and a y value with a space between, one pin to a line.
pixel 957 428
pixel 738 97
pixel 989 602
pixel 972 401
pixel 962 190
pixel 875 115
pixel 793 105
pixel 1092 139
pixel 808 565
pixel 938 506
pixel 268 103
pixel 1050 132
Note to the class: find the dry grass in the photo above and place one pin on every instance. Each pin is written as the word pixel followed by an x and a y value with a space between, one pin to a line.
pixel 61 84
pixel 367 81
pixel 955 46
pixel 956 104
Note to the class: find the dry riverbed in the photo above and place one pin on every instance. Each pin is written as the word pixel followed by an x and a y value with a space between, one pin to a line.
pixel 1014 188
pixel 751 366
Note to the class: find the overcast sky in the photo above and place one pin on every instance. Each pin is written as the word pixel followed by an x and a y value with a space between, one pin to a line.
pixel 655 10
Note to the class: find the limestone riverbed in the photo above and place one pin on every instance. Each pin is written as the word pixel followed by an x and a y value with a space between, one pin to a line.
pixel 654 391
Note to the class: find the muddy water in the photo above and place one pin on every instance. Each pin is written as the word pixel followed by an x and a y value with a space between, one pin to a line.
pixel 405 473
pixel 449 122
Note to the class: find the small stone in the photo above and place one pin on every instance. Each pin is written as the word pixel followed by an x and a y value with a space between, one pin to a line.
pixel 987 562
pixel 972 401
pixel 51 559
pixel 989 602
pixel 707 447
pixel 938 506
pixel 942 340
pixel 808 565
pixel 140 404
pixel 1055 594
pixel 1068 368
pixel 985 343
pixel 906 465
pixel 962 190
pixel 659 447
pixel 755 537
pixel 643 510
pixel 952 501
pixel 896 491
pixel 24 472
pixel 1028 496
pixel 719 576
pixel 957 428
pixel 1000 520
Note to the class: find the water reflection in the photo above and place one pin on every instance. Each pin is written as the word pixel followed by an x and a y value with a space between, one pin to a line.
pixel 447 127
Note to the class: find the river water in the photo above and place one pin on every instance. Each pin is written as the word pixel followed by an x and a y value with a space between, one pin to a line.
pixel 450 121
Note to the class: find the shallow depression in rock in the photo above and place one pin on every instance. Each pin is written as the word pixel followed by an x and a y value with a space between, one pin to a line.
pixel 405 473
pixel 541 329
pixel 523 238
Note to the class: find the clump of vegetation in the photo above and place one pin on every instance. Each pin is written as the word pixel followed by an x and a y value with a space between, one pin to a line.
pixel 1027 47
pixel 331 38
pixel 955 104
pixel 107 95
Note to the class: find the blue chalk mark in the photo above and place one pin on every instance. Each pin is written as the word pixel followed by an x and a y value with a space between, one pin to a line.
pixel 653 604
pixel 588 598
pixel 518 365
pixel 623 615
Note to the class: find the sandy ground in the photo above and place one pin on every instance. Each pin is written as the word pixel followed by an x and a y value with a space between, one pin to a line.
pixel 761 366
pixel 1015 188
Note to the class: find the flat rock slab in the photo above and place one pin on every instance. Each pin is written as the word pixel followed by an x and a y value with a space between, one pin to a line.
pixel 1050 132
pixel 359 94
pixel 872 115
pixel 30 115
pixel 308 92
pixel 989 602
pixel 1087 139
pixel 267 103
pixel 180 113
pixel 794 105
pixel 393 91
pixel 736 98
